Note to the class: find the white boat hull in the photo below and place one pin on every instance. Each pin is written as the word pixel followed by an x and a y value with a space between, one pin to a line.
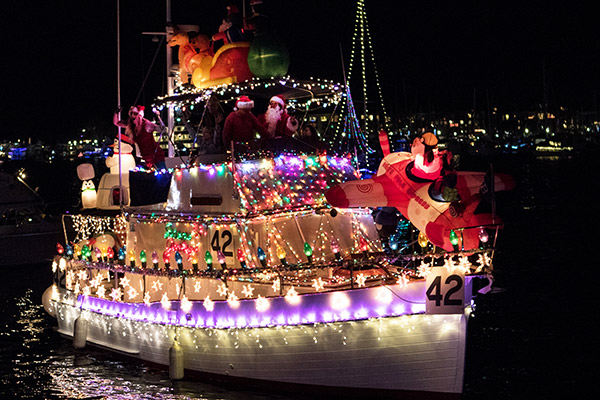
pixel 418 352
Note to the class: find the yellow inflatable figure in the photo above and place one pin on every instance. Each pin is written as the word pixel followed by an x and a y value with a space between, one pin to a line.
pixel 228 65
pixel 194 52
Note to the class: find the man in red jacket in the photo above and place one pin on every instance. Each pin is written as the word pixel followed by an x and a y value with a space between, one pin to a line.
pixel 241 124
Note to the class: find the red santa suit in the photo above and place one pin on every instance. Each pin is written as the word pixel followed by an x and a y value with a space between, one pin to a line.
pixel 141 130
pixel 241 124
pixel 277 120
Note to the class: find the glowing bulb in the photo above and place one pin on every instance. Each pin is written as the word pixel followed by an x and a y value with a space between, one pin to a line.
pixel 154 257
pixel 122 253
pixel 362 243
pixel 335 247
pixel 179 260
pixel 221 258
pixel 132 258
pixel 453 238
pixel 261 256
pixel 208 259
pixel 308 251
pixel 86 252
pixel 110 253
pixel 483 235
pixel 422 240
pixel 69 251
pixel 280 253
pixel 59 248
pixel 98 253
pixel 241 258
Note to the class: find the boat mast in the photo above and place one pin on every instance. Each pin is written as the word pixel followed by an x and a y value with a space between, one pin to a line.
pixel 119 101
pixel 170 82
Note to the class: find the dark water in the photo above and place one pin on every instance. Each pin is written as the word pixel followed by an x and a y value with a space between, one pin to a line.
pixel 533 338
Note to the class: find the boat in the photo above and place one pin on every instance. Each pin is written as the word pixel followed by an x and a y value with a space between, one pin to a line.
pixel 237 268
pixel 24 222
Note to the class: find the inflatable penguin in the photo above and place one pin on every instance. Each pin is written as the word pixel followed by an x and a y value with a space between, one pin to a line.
pixel 86 173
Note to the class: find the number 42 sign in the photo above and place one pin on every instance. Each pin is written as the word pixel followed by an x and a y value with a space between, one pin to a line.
pixel 445 291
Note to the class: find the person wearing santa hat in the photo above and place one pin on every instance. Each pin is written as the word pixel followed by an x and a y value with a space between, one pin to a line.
pixel 278 122
pixel 231 29
pixel 141 131
pixel 241 124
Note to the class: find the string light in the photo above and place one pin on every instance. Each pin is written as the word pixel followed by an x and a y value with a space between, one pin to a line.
pixel 209 260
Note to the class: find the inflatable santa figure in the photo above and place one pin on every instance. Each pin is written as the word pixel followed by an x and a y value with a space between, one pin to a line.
pixel 127 160
pixel 277 120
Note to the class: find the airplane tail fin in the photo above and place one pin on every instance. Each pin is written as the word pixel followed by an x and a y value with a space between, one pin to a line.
pixel 384 142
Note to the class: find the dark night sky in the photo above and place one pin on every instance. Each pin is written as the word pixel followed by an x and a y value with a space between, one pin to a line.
pixel 59 57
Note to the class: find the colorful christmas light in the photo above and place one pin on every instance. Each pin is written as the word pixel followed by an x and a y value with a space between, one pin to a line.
pixel 209 260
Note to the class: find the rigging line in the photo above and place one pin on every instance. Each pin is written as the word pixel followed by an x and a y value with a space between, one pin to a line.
pixel 402 298
pixel 159 47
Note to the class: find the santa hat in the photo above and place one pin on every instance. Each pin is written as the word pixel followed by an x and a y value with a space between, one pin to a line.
pixel 124 138
pixel 244 102
pixel 139 109
pixel 278 99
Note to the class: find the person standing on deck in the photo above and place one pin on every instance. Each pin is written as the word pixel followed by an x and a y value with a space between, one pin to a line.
pixel 141 131
pixel 241 124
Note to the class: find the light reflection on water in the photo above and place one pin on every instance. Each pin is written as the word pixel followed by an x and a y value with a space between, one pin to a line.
pixel 36 363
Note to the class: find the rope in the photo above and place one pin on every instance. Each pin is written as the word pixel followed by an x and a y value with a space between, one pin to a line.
pixel 150 69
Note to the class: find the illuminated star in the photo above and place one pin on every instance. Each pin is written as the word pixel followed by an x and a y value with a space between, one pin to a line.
pixel 147 298
pixel 403 280
pixel 101 292
pixel 449 264
pixel 291 293
pixel 116 294
pixel 157 285
pixel 424 269
pixel 292 296
pixel 132 292
pixel 69 279
pixel 262 304
pixel 95 282
pixel 247 290
pixel 233 300
pixel 197 287
pixel 82 275
pixel 276 285
pixel 360 280
pixel 125 282
pixel 483 259
pixel 222 289
pixel 464 264
pixel 165 301
pixel 86 291
pixel 318 284
pixel 186 305
pixel 208 304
